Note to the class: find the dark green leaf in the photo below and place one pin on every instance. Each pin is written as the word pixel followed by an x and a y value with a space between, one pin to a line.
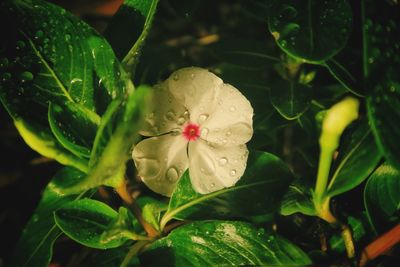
pixel 85 221
pixel 381 49
pixel 123 228
pixel 35 246
pixel 219 243
pixel 382 197
pixel 74 129
pixel 357 159
pixel 258 192
pixel 312 30
pixel 298 199
pixel 290 99
pixel 381 56
pixel 344 76
pixel 128 24
pixel 384 115
pixel 245 54
pixel 48 57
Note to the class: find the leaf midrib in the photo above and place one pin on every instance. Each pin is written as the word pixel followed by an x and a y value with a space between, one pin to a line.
pixel 345 159
pixel 170 214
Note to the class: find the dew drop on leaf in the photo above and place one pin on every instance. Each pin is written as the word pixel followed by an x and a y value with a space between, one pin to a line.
pixel 26 76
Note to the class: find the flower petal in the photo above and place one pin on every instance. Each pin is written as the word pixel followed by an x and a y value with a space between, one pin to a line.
pixel 167 114
pixel 161 161
pixel 197 89
pixel 232 121
pixel 212 168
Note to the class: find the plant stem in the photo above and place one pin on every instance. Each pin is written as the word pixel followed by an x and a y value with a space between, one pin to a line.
pixel 135 249
pixel 122 191
pixel 130 60
pixel 380 245
pixel 325 160
pixel 347 237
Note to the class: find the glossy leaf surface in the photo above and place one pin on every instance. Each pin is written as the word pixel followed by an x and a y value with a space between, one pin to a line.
pixel 85 221
pixel 35 246
pixel 311 30
pixel 219 243
pixel 382 198
pixel 258 192
pixel 357 159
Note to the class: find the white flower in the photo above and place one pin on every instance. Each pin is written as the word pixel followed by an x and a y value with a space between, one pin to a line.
pixel 197 122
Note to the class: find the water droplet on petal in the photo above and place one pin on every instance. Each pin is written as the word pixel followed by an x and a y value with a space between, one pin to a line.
pixel 172 175
pixel 228 133
pixel 170 115
pixel 192 76
pixel 181 120
pixel 232 108
pixel 175 77
pixel 233 172
pixel 212 185
pixel 203 117
pixel 204 132
pixel 223 161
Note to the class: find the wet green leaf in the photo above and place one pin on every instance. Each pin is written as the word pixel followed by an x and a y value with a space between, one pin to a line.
pixel 220 243
pixel 35 247
pixel 50 56
pixel 85 221
pixel 311 30
pixel 290 99
pixel 114 139
pixel 382 197
pixel 258 192
pixel 298 199
pixel 357 159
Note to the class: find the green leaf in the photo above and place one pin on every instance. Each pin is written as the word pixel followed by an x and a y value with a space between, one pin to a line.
pixel 245 53
pixel 382 197
pixel 43 141
pixel 123 228
pixel 258 192
pixel 220 243
pixel 298 199
pixel 77 135
pixel 131 23
pixel 290 99
pixel 384 115
pixel 109 258
pixel 151 210
pixel 48 57
pixel 130 12
pixel 85 221
pixel 381 57
pixel 341 74
pixel 311 30
pixel 116 135
pixel 35 246
pixel 357 159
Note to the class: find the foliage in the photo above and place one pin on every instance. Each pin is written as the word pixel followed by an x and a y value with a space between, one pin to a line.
pixel 80 97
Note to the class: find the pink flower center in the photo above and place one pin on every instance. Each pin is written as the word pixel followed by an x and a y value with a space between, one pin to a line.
pixel 191 132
